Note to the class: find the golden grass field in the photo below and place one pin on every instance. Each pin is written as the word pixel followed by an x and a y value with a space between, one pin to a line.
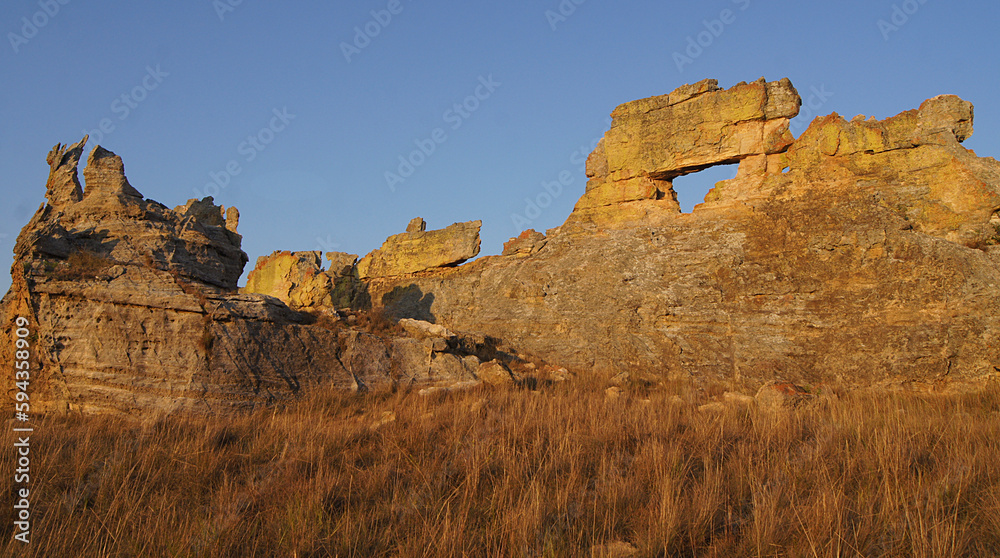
pixel 561 471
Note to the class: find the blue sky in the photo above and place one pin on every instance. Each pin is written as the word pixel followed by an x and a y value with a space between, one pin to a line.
pixel 295 118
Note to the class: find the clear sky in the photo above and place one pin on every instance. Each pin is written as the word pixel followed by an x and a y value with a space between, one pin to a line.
pixel 296 111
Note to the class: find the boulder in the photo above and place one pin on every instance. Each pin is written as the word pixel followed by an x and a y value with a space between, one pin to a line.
pixel 295 278
pixel 495 373
pixel 525 244
pixel 417 224
pixel 341 264
pixel 420 250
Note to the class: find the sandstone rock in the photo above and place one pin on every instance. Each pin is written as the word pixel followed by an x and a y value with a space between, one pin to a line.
pixel 654 140
pixel 417 224
pixel 368 359
pixel 105 176
pixel 525 244
pixel 134 310
pixel 865 249
pixel 860 261
pixel 232 219
pixel 295 278
pixel 63 186
pixel 450 368
pixel 116 223
pixel 204 211
pixel 421 329
pixel 341 264
pixel 411 252
pixel 495 373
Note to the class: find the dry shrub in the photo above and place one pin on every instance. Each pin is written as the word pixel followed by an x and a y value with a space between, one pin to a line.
pixel 322 319
pixel 521 473
pixel 82 265
pixel 378 322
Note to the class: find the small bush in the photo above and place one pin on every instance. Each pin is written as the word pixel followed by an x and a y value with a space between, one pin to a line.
pixel 323 320
pixel 207 340
pixel 82 265
pixel 378 322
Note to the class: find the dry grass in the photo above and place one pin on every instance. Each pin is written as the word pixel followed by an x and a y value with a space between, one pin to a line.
pixel 521 473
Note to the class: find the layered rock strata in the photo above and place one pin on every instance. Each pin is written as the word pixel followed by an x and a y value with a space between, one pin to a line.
pixel 865 250
pixel 132 308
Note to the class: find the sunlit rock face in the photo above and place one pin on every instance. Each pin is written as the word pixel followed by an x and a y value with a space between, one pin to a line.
pixel 865 250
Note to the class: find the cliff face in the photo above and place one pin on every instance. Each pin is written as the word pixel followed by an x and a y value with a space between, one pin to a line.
pixel 865 250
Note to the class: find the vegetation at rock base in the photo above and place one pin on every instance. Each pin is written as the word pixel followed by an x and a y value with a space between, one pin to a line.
pixel 491 472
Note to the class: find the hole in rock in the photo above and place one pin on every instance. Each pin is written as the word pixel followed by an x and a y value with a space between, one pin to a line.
pixel 692 188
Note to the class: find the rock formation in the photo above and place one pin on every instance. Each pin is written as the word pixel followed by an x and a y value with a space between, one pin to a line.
pixel 296 278
pixel 133 308
pixel 654 140
pixel 419 249
pixel 864 251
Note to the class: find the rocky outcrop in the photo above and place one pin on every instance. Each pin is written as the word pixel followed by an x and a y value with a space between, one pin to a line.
pixel 133 308
pixel 341 263
pixel 298 279
pixel 105 176
pixel 654 140
pixel 865 251
pixel 295 278
pixel 419 249
pixel 526 243
pixel 63 186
